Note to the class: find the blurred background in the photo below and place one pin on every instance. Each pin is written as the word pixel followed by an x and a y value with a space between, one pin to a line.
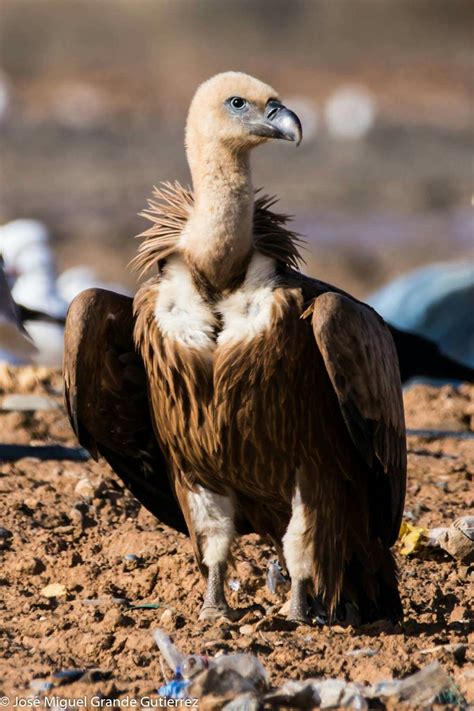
pixel 93 101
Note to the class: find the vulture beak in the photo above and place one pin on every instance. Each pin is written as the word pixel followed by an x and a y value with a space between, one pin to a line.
pixel 277 122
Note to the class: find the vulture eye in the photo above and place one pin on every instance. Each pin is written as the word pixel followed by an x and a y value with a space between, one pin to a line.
pixel 237 103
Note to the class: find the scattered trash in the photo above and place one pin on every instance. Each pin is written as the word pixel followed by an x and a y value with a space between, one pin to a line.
pixel 457 539
pixel 324 694
pixel 27 403
pixel 54 590
pixel 196 675
pixel 234 585
pixel 239 682
pixel 412 538
pixel 132 557
pixel 243 702
pixel 69 675
pixel 44 452
pixel 420 689
pixel 146 606
pixel 41 686
pixel 440 434
pixel 276 578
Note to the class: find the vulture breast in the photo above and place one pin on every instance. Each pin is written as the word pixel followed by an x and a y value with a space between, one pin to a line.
pixel 226 380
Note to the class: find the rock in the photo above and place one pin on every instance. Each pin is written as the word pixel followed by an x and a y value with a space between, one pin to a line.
pixel 168 619
pixel 54 590
pixel 455 542
pixel 247 629
pixel 76 517
pixel 85 489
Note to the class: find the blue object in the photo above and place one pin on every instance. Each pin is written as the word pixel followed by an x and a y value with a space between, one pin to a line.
pixel 175 689
pixel 435 301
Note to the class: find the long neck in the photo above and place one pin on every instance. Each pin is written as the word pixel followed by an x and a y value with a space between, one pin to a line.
pixel 219 235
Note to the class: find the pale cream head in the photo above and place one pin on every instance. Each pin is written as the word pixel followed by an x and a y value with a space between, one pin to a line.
pixel 240 112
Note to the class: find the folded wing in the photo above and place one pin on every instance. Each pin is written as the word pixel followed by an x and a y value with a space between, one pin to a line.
pixel 361 360
pixel 107 400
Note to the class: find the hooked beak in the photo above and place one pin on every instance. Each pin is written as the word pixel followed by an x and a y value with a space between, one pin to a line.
pixel 278 122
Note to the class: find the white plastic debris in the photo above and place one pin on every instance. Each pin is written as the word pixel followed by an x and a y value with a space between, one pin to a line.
pixel 457 539
pixel 239 676
pixel 234 585
pixel 275 577
pixel 172 656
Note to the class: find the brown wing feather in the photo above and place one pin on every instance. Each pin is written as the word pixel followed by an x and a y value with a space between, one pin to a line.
pixel 107 400
pixel 361 361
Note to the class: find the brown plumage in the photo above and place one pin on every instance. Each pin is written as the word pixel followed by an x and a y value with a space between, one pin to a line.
pixel 275 398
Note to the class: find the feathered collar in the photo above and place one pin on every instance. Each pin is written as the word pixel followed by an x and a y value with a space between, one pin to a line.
pixel 169 210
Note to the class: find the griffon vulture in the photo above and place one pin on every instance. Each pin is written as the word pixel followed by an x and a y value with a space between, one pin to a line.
pixel 275 399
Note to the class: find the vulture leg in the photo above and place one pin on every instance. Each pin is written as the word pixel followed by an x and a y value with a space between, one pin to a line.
pixel 215 604
pixel 299 559
pixel 211 518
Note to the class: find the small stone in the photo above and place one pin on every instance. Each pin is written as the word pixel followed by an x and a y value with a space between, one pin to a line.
pixel 459 614
pixel 85 489
pixel 247 629
pixel 54 590
pixel 168 619
pixel 76 517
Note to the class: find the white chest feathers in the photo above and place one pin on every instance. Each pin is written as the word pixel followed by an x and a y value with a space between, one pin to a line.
pixel 182 314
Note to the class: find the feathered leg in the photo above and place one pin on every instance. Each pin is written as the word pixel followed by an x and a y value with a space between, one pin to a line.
pixel 299 559
pixel 212 518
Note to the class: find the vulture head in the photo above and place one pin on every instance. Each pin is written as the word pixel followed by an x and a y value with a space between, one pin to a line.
pixel 240 112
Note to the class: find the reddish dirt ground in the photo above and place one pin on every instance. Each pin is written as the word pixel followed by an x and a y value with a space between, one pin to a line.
pixel 73 524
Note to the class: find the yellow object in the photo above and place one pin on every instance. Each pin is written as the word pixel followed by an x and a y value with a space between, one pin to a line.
pixel 411 538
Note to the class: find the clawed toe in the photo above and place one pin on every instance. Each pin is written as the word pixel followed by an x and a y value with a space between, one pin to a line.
pixel 300 618
pixel 209 612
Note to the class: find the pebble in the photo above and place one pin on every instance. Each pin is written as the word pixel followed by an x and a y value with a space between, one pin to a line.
pixel 85 489
pixel 76 517
pixel 247 629
pixel 54 590
pixel 168 619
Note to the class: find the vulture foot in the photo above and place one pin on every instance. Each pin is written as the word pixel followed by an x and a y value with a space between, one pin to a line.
pixel 298 611
pixel 212 612
pixel 215 604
